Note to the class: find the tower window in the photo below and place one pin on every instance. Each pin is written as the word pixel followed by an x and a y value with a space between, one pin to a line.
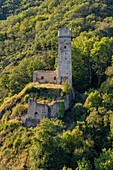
pixel 42 77
pixel 54 78
pixel 65 47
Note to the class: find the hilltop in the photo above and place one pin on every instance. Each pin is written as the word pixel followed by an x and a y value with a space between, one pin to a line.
pixel 17 104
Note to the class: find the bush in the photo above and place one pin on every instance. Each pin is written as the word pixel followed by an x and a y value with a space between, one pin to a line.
pixel 105 161
pixel 65 168
pixel 17 142
pixel 19 110
pixel 84 165
pixel 66 87
pixel 1 127
pixel 26 98
pixel 0 101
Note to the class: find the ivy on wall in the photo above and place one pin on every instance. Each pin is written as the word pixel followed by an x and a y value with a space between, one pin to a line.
pixel 62 109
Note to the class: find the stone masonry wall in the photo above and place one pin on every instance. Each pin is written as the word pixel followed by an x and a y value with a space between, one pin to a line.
pixel 64 56
pixel 45 76
pixel 37 110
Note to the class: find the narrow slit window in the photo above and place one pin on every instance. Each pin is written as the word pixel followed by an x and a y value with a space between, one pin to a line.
pixel 65 47
pixel 54 78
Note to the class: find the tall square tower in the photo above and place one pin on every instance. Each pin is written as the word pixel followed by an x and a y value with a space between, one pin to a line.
pixel 64 56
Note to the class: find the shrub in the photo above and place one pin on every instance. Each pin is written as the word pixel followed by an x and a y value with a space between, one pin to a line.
pixel 26 98
pixel 84 165
pixel 0 101
pixel 65 168
pixel 17 142
pixel 105 161
pixel 66 87
pixel 19 110
pixel 1 127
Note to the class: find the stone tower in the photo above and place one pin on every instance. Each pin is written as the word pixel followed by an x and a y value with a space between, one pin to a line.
pixel 64 56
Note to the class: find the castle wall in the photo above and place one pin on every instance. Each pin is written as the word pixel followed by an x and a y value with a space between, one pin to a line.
pixel 37 111
pixel 45 76
pixel 68 100
pixel 54 110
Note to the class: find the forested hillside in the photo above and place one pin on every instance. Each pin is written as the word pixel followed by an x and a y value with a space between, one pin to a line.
pixel 13 7
pixel 32 34
pixel 28 42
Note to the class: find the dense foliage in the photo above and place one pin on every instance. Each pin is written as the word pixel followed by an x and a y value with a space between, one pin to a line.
pixel 29 41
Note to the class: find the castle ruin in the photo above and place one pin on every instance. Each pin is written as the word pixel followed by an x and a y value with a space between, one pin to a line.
pixel 36 111
pixel 64 70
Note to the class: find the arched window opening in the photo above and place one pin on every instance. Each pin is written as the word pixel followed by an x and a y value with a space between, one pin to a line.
pixel 36 113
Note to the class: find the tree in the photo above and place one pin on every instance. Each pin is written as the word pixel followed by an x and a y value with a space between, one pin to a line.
pixel 84 165
pixel 78 111
pixel 101 56
pixel 93 100
pixel 105 161
pixel 46 152
pixel 82 64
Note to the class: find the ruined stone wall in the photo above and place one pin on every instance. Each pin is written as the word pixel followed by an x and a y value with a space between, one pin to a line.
pixel 45 76
pixel 53 110
pixel 68 100
pixel 38 111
